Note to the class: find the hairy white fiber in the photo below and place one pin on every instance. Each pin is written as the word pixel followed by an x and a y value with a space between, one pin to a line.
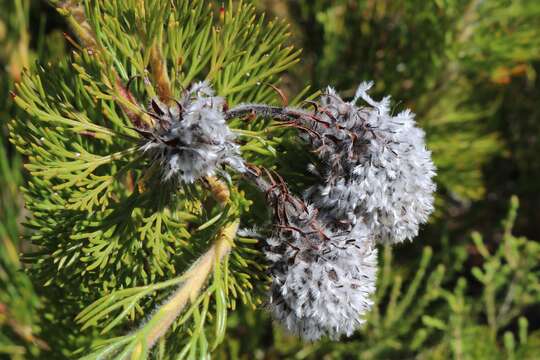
pixel 376 167
pixel 323 278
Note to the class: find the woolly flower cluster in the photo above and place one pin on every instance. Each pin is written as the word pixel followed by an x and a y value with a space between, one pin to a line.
pixel 191 139
pixel 377 169
pixel 376 186
pixel 322 278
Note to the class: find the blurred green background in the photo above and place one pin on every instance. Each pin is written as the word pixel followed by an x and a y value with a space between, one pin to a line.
pixel 468 287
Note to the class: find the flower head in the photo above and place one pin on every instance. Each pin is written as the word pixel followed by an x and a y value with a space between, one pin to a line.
pixel 322 287
pixel 191 138
pixel 323 277
pixel 376 169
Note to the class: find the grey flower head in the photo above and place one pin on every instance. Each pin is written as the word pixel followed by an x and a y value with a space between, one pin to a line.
pixel 377 169
pixel 322 279
pixel 191 138
pixel 323 276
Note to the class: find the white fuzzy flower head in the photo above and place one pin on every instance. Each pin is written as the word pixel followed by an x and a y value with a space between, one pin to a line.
pixel 191 139
pixel 377 168
pixel 323 279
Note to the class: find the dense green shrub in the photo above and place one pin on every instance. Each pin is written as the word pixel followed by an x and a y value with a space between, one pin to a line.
pixel 105 243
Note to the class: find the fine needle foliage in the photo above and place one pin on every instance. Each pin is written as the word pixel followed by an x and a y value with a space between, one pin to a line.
pixel 111 237
pixel 18 302
pixel 20 336
pixel 123 257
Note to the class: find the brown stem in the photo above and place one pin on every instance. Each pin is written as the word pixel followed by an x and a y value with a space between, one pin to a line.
pixel 77 20
pixel 159 73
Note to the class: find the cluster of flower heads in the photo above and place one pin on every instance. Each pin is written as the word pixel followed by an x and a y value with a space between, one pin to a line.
pixel 376 187
pixel 191 138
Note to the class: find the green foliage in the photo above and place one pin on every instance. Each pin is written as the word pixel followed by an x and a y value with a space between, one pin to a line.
pixel 108 246
pixel 106 228
pixel 507 282
pixel 446 60
pixel 18 302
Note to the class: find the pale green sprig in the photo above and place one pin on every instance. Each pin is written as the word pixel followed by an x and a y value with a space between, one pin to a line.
pixel 101 221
